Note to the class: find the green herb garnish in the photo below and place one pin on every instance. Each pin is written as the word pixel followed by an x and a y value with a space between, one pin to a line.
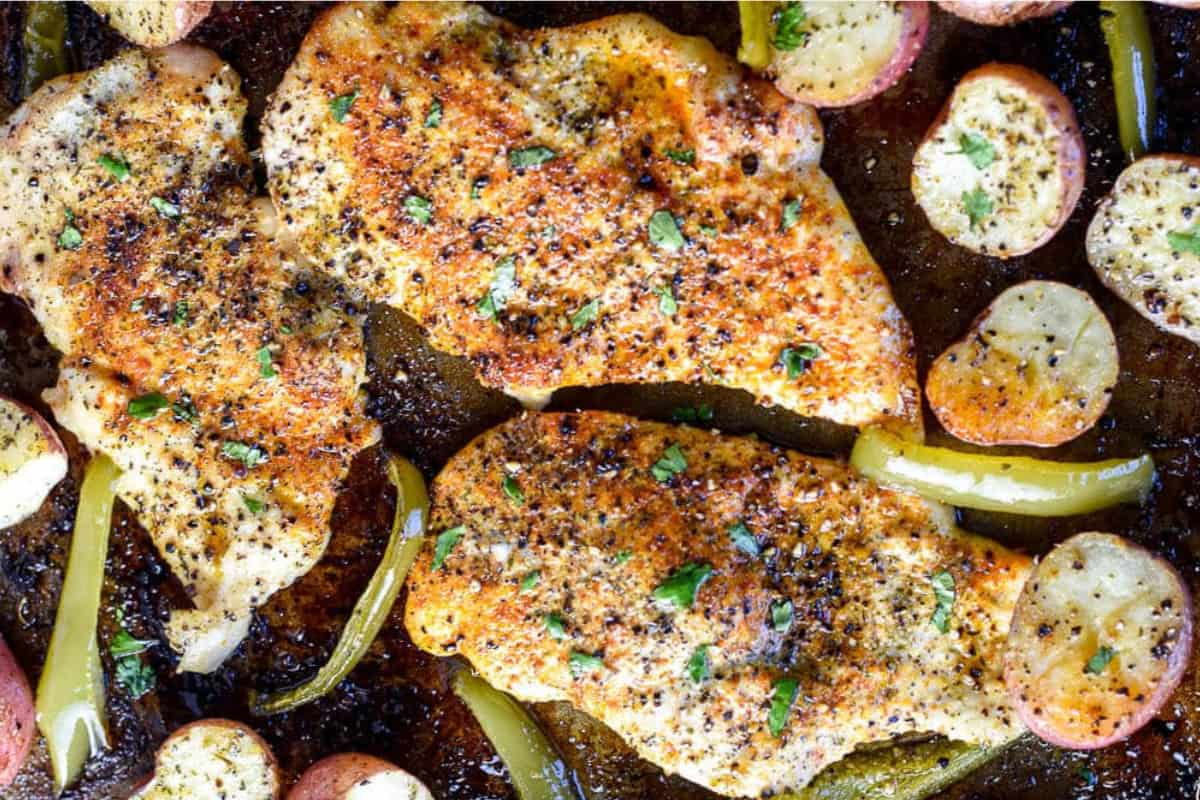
pixel 681 586
pixel 531 580
pixel 1185 241
pixel 530 157
pixel 682 156
pixel 339 106
pixel 623 556
pixel 697 666
pixel 184 411
pixel 434 118
pixel 165 207
pixel 672 463
pixel 784 695
pixel 796 359
pixel 744 540
pixel 504 285
pixel 179 316
pixel 137 677
pixel 251 455
pixel 447 540
pixel 265 368
pixel 513 490
pixel 667 303
pixel 791 214
pixel 116 166
pixel 253 505
pixel 701 413
pixel 664 231
pixel 781 615
pixel 586 314
pixel 1100 660
pixel 146 406
pixel 977 205
pixel 943 592
pixel 555 625
pixel 582 663
pixel 978 150
pixel 124 644
pixel 419 209
pixel 788 32
pixel 70 238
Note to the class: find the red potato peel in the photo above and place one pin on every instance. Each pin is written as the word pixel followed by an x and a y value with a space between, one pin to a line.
pixel 17 716
pixel 1100 639
pixel 356 776
pixel 991 12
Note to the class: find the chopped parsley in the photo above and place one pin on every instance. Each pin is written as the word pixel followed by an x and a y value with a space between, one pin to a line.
pixel 586 314
pixel 434 118
pixel 253 505
pixel 184 411
pixel 116 166
pixel 1097 663
pixel 70 238
pixel 419 209
pixel 138 304
pixel 146 406
pixel 977 205
pixel 664 231
pixel 781 615
pixel 531 580
pixel 697 666
pixel 555 625
pixel 504 285
pixel 667 304
pixel 136 676
pixel 1185 241
pixel 791 214
pixel 530 156
pixel 784 696
pixel 943 593
pixel 583 663
pixel 796 359
pixel 744 540
pixel 682 156
pixel 251 455
pixel 701 413
pixel 165 207
pixel 179 316
pixel 623 556
pixel 339 106
pixel 265 368
pixel 681 586
pixel 978 150
pixel 513 490
pixel 708 230
pixel 477 186
pixel 672 463
pixel 447 540
pixel 788 31
pixel 124 644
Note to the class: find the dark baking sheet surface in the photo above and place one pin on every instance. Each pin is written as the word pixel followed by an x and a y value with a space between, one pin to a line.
pixel 396 703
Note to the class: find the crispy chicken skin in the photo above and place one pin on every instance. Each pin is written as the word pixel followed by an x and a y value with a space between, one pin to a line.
pixel 128 224
pixel 498 185
pixel 599 532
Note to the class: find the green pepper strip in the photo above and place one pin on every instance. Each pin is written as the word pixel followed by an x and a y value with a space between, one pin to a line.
pixel 70 694
pixel 1012 484
pixel 1132 54
pixel 755 18
pixel 44 44
pixel 536 770
pixel 905 771
pixel 372 609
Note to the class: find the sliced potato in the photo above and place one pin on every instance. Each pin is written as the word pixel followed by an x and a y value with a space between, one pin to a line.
pixel 1144 241
pixel 1002 167
pixel 152 23
pixel 16 716
pixel 841 53
pixel 213 759
pixel 355 776
pixel 990 12
pixel 1036 368
pixel 1100 638
pixel 32 461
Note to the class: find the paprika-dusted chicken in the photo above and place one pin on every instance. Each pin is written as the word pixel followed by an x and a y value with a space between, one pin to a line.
pixel 742 615
pixel 604 203
pixel 217 372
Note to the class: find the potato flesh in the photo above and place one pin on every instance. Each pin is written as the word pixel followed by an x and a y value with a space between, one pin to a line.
pixel 848 46
pixel 213 762
pixel 1093 591
pixel 392 785
pixel 1128 244
pixel 1037 368
pixel 1024 183
pixel 32 462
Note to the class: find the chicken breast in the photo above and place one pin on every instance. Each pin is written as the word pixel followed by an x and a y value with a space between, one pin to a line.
pixel 568 547
pixel 152 23
pixel 211 366
pixel 605 203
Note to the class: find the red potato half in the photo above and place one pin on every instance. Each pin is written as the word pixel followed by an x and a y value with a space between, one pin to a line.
pixel 1002 167
pixel 1100 638
pixel 355 776
pixel 849 52
pixel 1144 241
pixel 1037 367
pixel 990 12
pixel 17 716
pixel 152 23
pixel 32 461
pixel 213 758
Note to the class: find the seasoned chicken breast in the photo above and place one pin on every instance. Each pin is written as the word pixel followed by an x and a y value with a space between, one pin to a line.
pixel 221 376
pixel 742 615
pixel 605 203
pixel 152 23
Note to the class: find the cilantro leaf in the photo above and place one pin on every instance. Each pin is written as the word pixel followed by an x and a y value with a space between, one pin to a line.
pixel 530 157
pixel 1187 241
pixel 70 238
pixel 513 490
pixel 667 304
pixel 251 455
pixel 179 316
pixel 165 207
pixel 791 214
pixel 116 166
pixel 253 505
pixel 1100 660
pixel 681 586
pixel 433 119
pixel 504 285
pixel 555 625
pixel 784 695
pixel 672 463
pixel 531 580
pixel 447 540
pixel 978 150
pixel 744 540
pixel 701 413
pixel 137 677
pixel 339 106
pixel 582 663
pixel 664 231
pixel 943 592
pixel 977 205
pixel 146 406
pixel 788 32
pixel 682 156
pixel 265 368
pixel 419 209
pixel 796 359
pixel 586 314
pixel 623 557
pixel 781 615
pixel 697 666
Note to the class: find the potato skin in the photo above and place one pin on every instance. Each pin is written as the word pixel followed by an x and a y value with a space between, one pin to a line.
pixel 988 12
pixel 333 777
pixel 16 716
pixel 1071 156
